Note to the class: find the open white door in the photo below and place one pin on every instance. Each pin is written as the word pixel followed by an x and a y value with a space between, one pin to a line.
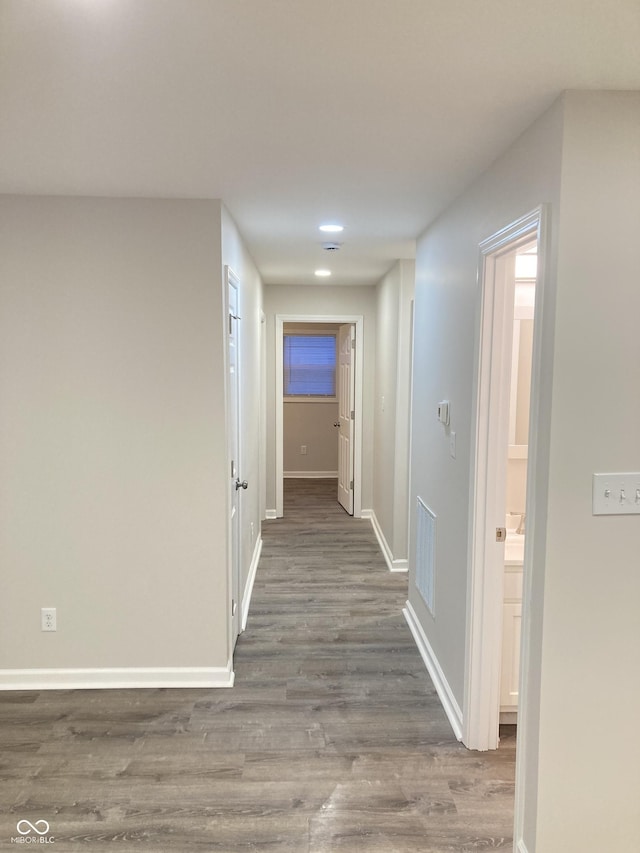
pixel 233 391
pixel 346 415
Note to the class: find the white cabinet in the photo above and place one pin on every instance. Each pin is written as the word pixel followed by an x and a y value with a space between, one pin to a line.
pixel 511 625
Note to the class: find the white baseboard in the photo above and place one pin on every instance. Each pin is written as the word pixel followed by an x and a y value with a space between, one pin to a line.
pixel 393 565
pixel 116 678
pixel 521 847
pixel 310 475
pixel 445 694
pixel 248 589
pixel 270 514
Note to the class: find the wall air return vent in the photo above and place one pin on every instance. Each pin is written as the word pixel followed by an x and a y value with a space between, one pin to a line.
pixel 425 553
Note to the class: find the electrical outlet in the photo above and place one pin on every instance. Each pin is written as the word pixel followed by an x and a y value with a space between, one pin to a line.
pixel 48 619
pixel 303 449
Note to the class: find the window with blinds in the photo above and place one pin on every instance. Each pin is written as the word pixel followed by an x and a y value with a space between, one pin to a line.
pixel 309 365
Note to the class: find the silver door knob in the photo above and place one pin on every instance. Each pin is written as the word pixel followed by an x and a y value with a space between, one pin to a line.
pixel 241 485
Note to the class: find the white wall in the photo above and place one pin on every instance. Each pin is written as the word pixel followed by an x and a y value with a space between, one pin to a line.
pixel 588 787
pixel 112 447
pixel 310 423
pixel 328 301
pixel 392 405
pixel 446 335
pixel 578 788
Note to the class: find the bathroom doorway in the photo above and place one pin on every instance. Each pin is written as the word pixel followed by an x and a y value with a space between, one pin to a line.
pixel 523 308
pixel 502 500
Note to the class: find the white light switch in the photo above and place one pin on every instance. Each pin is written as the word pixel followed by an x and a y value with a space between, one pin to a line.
pixel 443 412
pixel 616 494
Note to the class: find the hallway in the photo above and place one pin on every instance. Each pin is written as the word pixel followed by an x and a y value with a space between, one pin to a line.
pixel 332 738
pixel 347 728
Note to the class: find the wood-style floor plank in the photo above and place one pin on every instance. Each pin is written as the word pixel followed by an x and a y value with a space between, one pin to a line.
pixel 333 737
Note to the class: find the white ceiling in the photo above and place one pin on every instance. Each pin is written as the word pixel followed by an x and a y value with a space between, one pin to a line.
pixel 376 113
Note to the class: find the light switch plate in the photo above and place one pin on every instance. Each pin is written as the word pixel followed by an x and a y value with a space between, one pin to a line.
pixel 616 494
pixel 443 412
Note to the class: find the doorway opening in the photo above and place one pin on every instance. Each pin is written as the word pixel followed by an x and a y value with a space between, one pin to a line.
pixel 323 430
pixel 502 510
pixel 515 508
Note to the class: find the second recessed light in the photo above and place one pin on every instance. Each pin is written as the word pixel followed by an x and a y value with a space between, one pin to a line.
pixel 323 273
pixel 331 228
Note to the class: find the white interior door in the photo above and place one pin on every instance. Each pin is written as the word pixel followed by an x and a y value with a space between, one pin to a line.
pixel 235 485
pixel 346 415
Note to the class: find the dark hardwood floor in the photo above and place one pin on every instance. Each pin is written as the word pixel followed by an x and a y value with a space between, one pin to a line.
pixel 333 737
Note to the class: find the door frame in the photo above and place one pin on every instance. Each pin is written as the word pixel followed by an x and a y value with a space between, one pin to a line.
pixel 357 320
pixel 481 710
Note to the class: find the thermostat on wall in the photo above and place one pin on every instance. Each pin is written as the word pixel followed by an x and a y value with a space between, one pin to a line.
pixel 443 412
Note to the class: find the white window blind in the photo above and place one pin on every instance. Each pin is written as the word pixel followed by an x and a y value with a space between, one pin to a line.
pixel 309 365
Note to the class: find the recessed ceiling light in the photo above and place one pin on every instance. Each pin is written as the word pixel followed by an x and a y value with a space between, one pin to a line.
pixel 331 229
pixel 323 273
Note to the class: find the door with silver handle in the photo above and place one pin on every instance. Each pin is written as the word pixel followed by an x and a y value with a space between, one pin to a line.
pixel 241 484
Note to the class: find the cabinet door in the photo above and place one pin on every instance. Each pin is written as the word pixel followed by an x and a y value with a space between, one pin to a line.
pixel 510 676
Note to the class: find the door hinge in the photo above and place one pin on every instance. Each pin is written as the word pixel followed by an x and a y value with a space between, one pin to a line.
pixel 353 415
pixel 351 485
pixel 501 534
pixel 234 607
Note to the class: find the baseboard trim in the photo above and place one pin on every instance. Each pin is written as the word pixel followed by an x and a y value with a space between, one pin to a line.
pixel 392 565
pixel 248 589
pixel 310 475
pixel 270 514
pixel 521 847
pixel 445 694
pixel 116 678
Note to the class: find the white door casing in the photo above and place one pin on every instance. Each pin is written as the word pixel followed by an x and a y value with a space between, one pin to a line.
pixel 345 379
pixel 357 321
pixel 488 477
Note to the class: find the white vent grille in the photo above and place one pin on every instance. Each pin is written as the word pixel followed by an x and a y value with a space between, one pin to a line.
pixel 425 553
